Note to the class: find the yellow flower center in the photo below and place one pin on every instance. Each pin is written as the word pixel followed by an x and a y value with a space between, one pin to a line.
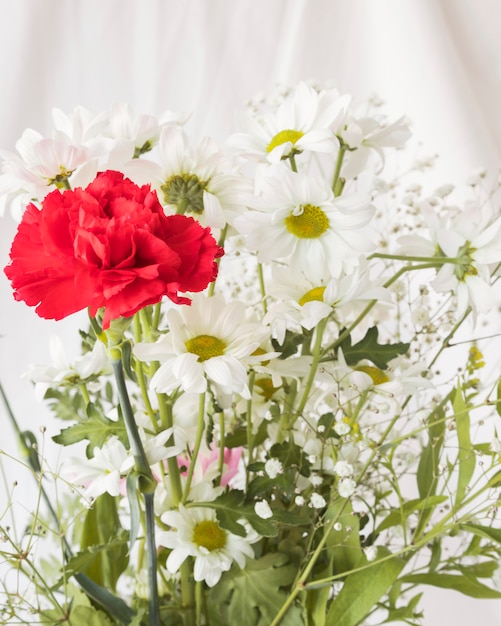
pixel 313 295
pixel 259 352
pixel 377 375
pixel 265 388
pixel 208 534
pixel 311 223
pixel 205 346
pixel 283 137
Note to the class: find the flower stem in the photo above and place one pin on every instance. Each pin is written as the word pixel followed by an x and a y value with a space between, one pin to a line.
pixel 146 483
pixel 196 448
pixel 317 350
pixel 337 182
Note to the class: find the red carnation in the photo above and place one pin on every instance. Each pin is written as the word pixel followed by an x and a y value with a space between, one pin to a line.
pixel 109 245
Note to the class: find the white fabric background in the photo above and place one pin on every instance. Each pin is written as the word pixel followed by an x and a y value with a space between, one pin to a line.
pixel 438 61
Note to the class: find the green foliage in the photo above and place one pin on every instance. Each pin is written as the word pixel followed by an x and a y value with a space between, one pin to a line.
pixel 96 429
pixel 104 544
pixel 369 348
pixel 466 454
pixel 465 583
pixel 254 595
pixel 363 589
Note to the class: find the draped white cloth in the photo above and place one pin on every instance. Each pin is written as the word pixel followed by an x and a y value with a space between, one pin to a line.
pixel 437 61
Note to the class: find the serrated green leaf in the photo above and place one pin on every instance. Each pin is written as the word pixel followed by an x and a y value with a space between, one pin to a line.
pixel 97 428
pixel 466 455
pixel 466 586
pixel 254 595
pixel 290 345
pixel 231 507
pixel 362 590
pixel 369 348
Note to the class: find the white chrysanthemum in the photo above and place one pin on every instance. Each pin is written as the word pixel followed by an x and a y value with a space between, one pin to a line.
pixel 195 181
pixel 297 218
pixel 84 369
pixel 208 341
pixel 100 474
pixel 198 534
pixel 306 301
pixel 302 123
pixel 366 135
pixel 474 240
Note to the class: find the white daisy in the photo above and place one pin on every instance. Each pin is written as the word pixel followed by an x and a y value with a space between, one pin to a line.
pixel 196 181
pixel 84 369
pixel 474 240
pixel 197 534
pixel 302 123
pixel 100 474
pixel 368 135
pixel 208 341
pixel 297 218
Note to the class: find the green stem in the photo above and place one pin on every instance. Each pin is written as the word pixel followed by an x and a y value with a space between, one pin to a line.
pixel 147 483
pixel 196 448
pixel 317 351
pixel 262 287
pixel 220 462
pixel 337 188
pixel 167 421
pixel 248 420
pixel 439 260
pixel 220 243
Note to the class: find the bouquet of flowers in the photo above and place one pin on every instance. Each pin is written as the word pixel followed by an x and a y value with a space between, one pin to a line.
pixel 275 418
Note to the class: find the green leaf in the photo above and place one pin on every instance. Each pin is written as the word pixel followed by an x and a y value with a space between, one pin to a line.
pixel 132 484
pixel 487 532
pixel 96 429
pixel 397 517
pixel 466 455
pixel 343 545
pixel 362 590
pixel 101 526
pixel 405 612
pixel 469 587
pixel 253 596
pixel 290 345
pixel 231 507
pixel 369 348
pixel 427 472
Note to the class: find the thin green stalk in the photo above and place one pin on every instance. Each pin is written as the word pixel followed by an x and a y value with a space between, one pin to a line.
pixel 439 260
pixel 167 421
pixel 262 287
pixel 220 462
pixel 248 420
pixel 147 483
pixel 220 243
pixel 337 171
pixel 317 351
pixel 196 448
